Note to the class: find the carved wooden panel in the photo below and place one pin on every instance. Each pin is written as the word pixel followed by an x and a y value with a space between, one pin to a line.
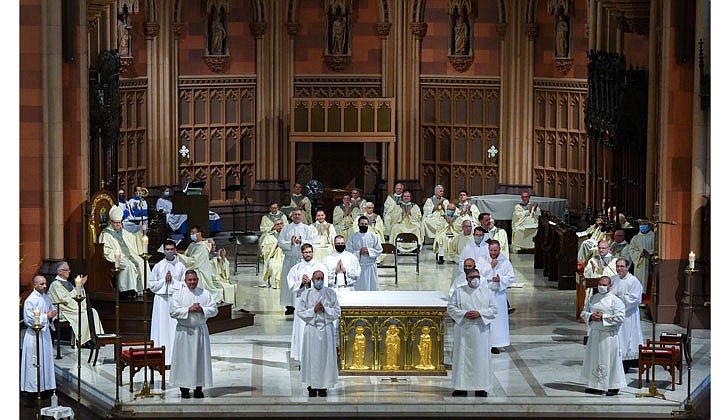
pixel 459 123
pixel 217 126
pixel 560 149
pixel 133 133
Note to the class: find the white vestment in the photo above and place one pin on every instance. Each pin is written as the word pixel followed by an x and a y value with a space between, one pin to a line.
pixel 294 280
pixel 456 245
pixel 292 253
pixel 301 202
pixel 129 246
pixel 137 212
pixel 588 247
pixel 197 257
pixel 376 225
pixel 221 277
pixel 468 211
pixel 269 219
pixel 471 341
pixel 474 251
pixel 345 219
pixel 62 292
pixel 499 329
pixel 319 362
pixel 525 226
pixel 44 352
pixel 621 250
pixel 642 242
pixel 501 236
pixel 447 230
pixel 609 269
pixel 325 245
pixel 174 221
pixel 272 258
pixel 163 325
pixel 191 358
pixel 602 368
pixel 368 279
pixel 629 291
pixel 407 220
pixel 433 216
pixel 351 266
pixel 391 205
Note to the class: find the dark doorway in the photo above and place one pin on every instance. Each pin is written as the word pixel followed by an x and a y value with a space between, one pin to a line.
pixel 338 165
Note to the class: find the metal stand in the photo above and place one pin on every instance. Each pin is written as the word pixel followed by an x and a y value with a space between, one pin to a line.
pixel 58 332
pixel 687 410
pixel 79 298
pixel 146 391
pixel 117 408
pixel 37 328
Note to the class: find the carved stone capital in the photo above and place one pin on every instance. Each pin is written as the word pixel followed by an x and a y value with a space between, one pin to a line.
pixel 563 65
pixel 337 62
pixel 383 28
pixel 257 29
pixel 151 30
pixel 178 29
pixel 125 63
pixel 419 29
pixel 460 62
pixel 532 30
pixel 217 63
pixel 292 28
pixel 640 26
pixel 501 28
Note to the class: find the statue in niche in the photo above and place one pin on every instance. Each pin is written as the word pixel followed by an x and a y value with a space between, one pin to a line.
pixel 123 35
pixel 218 34
pixel 425 350
pixel 562 36
pixel 339 31
pixel 392 344
pixel 360 345
pixel 461 35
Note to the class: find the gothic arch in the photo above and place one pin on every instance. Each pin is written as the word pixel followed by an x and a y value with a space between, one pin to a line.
pixel 418 11
pixel 259 10
pixel 384 12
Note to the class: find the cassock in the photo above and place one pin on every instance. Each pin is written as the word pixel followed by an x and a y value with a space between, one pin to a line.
pixel 525 225
pixel 629 291
pixel 269 219
pixel 433 213
pixel 471 337
pixel 163 325
pixel 319 363
pixel 368 279
pixel 197 257
pixel 295 278
pixel 28 373
pixel 456 245
pixel 351 265
pixel 191 359
pixel 326 233
pixel 129 247
pixel 391 205
pixel 407 220
pixel 499 235
pixel 62 292
pixel 174 221
pixel 499 329
pixel 292 253
pixel 272 258
pixel 639 243
pixel 468 211
pixel 345 219
pixel 602 368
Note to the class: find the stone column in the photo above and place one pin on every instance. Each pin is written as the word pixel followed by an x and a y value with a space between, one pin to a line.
pixel 652 99
pixel 593 24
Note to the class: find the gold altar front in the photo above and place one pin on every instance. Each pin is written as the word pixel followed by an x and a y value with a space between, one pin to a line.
pixel 390 340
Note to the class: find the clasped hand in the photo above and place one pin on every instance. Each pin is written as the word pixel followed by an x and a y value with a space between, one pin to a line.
pixel 51 314
pixel 195 307
pixel 596 316
pixel 472 314
pixel 319 307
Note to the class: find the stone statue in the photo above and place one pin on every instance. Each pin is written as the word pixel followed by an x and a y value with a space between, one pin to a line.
pixel 425 349
pixel 360 346
pixel 122 36
pixel 460 33
pixel 562 36
pixel 218 34
pixel 392 343
pixel 338 35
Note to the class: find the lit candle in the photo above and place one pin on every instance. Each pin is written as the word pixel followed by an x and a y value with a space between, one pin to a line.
pixel 117 257
pixel 691 260
pixel 145 243
pixel 36 312
pixel 78 285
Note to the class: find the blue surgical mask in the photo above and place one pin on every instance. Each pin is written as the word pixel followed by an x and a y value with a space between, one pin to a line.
pixel 451 213
pixel 169 254
pixel 477 239
pixel 193 237
pixel 603 289
pixel 166 194
pixel 318 284
pixel 644 228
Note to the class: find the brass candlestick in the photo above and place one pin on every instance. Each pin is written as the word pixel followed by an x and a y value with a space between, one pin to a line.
pixel 687 410
pixel 146 391
pixel 79 298
pixel 37 327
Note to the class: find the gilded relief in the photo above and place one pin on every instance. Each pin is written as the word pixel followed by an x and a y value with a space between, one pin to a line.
pixel 425 350
pixel 392 345
pixel 359 349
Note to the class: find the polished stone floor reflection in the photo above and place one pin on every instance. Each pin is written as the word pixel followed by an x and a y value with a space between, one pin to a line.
pixel 538 373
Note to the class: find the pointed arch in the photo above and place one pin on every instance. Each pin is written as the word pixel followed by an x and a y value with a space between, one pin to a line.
pixel 418 11
pixel 385 11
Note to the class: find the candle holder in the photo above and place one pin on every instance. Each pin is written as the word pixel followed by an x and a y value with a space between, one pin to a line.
pixel 37 328
pixel 687 410
pixel 117 408
pixel 146 391
pixel 79 298
pixel 58 331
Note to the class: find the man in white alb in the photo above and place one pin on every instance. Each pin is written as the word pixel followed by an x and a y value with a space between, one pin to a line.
pixel 433 213
pixel 391 205
pixel 62 293
pixel 366 246
pixel 168 276
pixel 498 273
pixel 298 280
pixel 292 236
pixel 628 289
pixel 343 266
pixel 641 248
pixel 38 301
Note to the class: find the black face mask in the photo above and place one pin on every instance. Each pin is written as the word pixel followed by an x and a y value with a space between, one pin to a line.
pixel 363 229
pixel 340 248
pixel 122 197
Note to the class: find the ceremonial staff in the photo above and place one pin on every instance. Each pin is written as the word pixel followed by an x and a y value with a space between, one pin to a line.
pixel 79 298
pixel 37 327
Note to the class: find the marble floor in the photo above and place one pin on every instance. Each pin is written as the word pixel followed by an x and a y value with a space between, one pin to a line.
pixel 538 374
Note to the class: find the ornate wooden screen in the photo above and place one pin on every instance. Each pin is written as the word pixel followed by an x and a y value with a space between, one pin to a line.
pixel 560 146
pixel 459 124
pixel 216 125
pixel 133 134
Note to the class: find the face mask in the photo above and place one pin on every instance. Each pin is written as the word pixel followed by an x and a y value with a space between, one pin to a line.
pixel 451 213
pixel 169 254
pixel 166 194
pixel 193 237
pixel 478 239
pixel 475 282
pixel 603 289
pixel 340 248
pixel 644 228
pixel 363 229
pixel 318 284
pixel 122 197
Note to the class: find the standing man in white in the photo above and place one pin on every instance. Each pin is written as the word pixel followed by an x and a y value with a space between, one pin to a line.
pixel 39 302
pixel 498 272
pixel 343 266
pixel 292 236
pixel 298 280
pixel 628 289
pixel 168 276
pixel 366 246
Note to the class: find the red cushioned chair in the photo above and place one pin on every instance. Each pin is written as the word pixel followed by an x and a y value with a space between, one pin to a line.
pixel 667 354
pixel 134 358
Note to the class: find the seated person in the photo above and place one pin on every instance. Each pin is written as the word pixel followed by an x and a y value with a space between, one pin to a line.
pixel 466 209
pixel 619 248
pixel 525 223
pixel 391 207
pixel 433 213
pixel 459 242
pixel 301 202
pixel 357 200
pixel 137 212
pixel 603 264
pixel 588 247
pixel 452 226
pixel 345 215
pixel 128 247
pixel 343 266
pixel 326 233
pixel 492 232
pixel 197 257
pixel 164 205
pixel 221 271
pixel 408 219
pixel 272 256
pixel 623 223
pixel 268 219
pixel 376 224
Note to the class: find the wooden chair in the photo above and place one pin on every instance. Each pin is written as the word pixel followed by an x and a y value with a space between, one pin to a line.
pixel 667 354
pixel 389 249
pixel 407 238
pixel 101 340
pixel 134 358
pixel 243 243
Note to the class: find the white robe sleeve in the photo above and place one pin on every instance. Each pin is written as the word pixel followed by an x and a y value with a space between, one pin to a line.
pixel 633 296
pixel 304 309
pixel 209 306
pixel 376 250
pixel 453 308
pixel 353 272
pixel 616 315
pixel 332 310
pixel 177 308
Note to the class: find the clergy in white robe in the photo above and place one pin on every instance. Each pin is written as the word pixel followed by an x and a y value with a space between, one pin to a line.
pixel 366 246
pixel 191 306
pixel 457 244
pixel 345 215
pixel 602 369
pixel 524 223
pixel 473 308
pixel 433 213
pixel 62 292
pixel 343 268
pixel 498 272
pixel 451 226
pixel 478 249
pixel 221 272
pixel 128 246
pixel 493 232
pixel 319 310
pixel 376 224
pixel 588 247
pixel 269 219
pixel 407 220
pixel 603 264
pixel 357 200
pixel 391 206
pixel 619 248
pixel 641 248
pixel 628 289
pixel 38 301
pixel 467 210
pixel 301 202
pixel 459 279
pixel 164 204
pixel 197 257
pixel 298 280
pixel 326 233
pixel 292 236
pixel 168 276
pixel 272 256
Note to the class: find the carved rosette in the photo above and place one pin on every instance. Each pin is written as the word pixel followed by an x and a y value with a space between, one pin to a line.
pixel 217 63
pixel 124 64
pixel 151 29
pixel 257 29
pixel 419 29
pixel 292 28
pixel 460 62
pixel 178 29
pixel 383 28
pixel 531 30
pixel 563 65
pixel 501 28
pixel 337 62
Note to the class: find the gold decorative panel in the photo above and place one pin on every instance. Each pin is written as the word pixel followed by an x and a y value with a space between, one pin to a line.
pixel 132 134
